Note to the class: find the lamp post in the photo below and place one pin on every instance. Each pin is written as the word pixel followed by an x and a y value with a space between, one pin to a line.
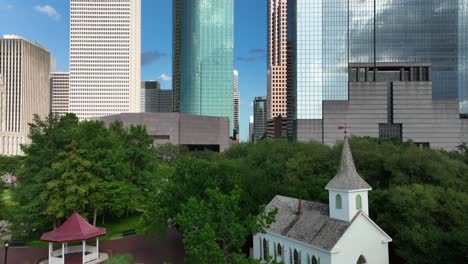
pixel 6 253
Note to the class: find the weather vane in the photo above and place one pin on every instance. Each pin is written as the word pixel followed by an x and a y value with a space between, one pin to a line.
pixel 345 127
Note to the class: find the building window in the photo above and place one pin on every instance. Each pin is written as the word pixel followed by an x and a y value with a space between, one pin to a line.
pixel 358 202
pixel 279 250
pixel 338 202
pixel 314 260
pixel 361 260
pixel 296 257
pixel 265 249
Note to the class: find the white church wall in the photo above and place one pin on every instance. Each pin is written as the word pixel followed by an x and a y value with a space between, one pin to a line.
pixel 362 238
pixel 288 248
pixel 348 202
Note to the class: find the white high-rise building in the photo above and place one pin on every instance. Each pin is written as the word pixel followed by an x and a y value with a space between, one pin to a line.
pixel 24 90
pixel 60 92
pixel 236 101
pixel 105 57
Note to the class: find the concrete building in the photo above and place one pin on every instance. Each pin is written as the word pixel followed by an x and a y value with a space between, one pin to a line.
pixel 154 99
pixel 398 104
pixel 25 69
pixel 60 92
pixel 236 98
pixel 195 132
pixel 105 57
pixel 326 36
pixel 277 128
pixel 277 58
pixel 337 233
pixel 203 61
pixel 260 117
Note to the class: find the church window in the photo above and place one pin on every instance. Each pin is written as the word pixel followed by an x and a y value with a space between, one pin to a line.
pixel 361 260
pixel 279 250
pixel 338 202
pixel 265 249
pixel 358 202
pixel 314 260
pixel 296 257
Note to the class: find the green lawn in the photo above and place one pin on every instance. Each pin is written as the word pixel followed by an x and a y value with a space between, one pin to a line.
pixel 115 228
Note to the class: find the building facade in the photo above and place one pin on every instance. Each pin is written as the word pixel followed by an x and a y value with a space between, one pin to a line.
pixel 25 69
pixel 236 98
pixel 105 57
pixel 277 58
pixel 260 117
pixel 308 232
pixel 60 92
pixel 341 32
pixel 251 129
pixel 194 132
pixel 154 99
pixel 203 57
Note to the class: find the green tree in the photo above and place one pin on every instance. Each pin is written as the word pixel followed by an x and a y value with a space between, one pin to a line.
pixel 215 229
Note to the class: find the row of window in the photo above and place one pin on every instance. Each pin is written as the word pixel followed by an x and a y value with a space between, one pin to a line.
pixel 295 257
pixel 339 202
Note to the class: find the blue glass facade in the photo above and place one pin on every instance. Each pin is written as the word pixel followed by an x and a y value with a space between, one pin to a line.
pixel 327 35
pixel 203 57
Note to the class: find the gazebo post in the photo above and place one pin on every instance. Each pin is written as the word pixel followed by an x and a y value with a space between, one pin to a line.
pixel 84 251
pixel 63 253
pixel 50 249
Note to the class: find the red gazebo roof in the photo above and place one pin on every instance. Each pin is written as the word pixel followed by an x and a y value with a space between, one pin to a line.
pixel 74 229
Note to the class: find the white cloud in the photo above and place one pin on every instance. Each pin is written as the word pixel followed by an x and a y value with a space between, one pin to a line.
pixel 165 78
pixel 48 10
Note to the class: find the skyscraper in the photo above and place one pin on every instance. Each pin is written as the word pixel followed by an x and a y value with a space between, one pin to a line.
pixel 154 99
pixel 277 58
pixel 60 92
pixel 25 69
pixel 236 101
pixel 260 117
pixel 105 57
pixel 326 36
pixel 203 57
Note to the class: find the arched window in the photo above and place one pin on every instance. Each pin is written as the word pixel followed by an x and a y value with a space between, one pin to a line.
pixel 338 202
pixel 358 202
pixel 361 260
pixel 265 249
pixel 296 257
pixel 279 250
pixel 314 260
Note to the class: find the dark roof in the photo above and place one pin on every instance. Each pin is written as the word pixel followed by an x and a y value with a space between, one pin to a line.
pixel 313 226
pixel 347 177
pixel 74 229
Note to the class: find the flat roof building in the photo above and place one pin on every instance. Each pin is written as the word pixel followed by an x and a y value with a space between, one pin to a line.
pixel 60 92
pixel 154 99
pixel 195 132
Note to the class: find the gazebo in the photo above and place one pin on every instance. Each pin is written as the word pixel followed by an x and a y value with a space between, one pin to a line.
pixel 75 229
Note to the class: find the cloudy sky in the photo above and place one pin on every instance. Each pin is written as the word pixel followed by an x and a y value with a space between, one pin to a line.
pixel 47 21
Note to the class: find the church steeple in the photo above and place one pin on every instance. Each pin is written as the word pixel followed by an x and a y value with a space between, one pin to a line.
pixel 347 190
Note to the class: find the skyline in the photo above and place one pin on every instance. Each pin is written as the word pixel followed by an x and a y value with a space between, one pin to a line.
pixel 51 29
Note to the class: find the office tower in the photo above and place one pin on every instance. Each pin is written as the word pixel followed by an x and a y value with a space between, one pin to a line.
pixel 203 57
pixel 251 129
pixel 260 117
pixel 277 58
pixel 25 69
pixel 236 101
pixel 154 99
pixel 327 36
pixel 60 92
pixel 105 57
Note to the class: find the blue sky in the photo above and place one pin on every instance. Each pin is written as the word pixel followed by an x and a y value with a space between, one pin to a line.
pixel 47 21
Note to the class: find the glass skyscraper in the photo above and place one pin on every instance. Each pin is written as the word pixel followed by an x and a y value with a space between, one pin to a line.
pixel 203 61
pixel 327 35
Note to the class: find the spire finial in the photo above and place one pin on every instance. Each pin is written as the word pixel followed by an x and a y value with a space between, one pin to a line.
pixel 345 128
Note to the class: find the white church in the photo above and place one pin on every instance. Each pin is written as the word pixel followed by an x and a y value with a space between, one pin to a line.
pixel 306 232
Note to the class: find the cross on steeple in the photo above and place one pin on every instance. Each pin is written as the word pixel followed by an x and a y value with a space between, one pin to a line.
pixel 345 127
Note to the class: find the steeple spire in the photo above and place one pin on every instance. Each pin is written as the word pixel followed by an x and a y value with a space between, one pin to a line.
pixel 347 178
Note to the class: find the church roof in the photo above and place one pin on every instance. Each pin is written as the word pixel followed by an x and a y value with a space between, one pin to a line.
pixel 312 226
pixel 74 229
pixel 347 178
